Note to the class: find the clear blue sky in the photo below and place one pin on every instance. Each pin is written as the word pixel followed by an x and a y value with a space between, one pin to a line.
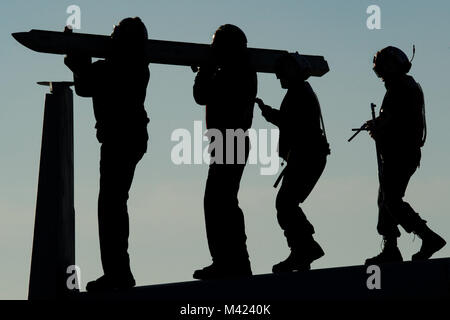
pixel 167 230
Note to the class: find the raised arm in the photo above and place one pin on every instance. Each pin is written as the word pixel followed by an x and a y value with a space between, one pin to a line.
pixel 83 74
pixel 270 114
pixel 81 66
pixel 203 85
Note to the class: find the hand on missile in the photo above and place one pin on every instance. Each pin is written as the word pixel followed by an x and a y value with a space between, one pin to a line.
pixel 75 62
pixel 205 72
pixel 208 67
pixel 194 69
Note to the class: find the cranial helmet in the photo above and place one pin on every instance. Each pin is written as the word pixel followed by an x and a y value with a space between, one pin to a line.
pixel 229 35
pixel 391 61
pixel 130 30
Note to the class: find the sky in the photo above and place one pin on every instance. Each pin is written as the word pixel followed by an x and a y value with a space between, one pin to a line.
pixel 168 241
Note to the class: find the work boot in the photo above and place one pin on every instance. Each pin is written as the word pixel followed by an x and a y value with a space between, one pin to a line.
pixel 219 271
pixel 105 283
pixel 431 243
pixel 299 259
pixel 390 254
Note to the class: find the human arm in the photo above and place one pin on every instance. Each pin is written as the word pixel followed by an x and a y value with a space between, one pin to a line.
pixel 82 69
pixel 270 114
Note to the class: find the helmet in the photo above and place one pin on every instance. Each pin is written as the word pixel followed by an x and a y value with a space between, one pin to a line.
pixel 390 61
pixel 229 35
pixel 130 30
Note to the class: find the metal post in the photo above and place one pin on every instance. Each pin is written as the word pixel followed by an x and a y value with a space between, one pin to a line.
pixel 54 229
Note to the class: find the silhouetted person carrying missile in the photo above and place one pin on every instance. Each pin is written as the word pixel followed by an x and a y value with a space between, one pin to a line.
pixel 227 86
pixel 303 145
pixel 400 132
pixel 118 87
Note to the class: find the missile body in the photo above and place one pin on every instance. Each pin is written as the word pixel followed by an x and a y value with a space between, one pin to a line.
pixel 158 51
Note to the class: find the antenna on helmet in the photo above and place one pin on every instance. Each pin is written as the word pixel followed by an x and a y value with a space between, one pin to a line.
pixel 414 53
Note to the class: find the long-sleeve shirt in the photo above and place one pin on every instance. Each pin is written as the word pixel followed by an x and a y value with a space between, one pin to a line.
pixel 299 121
pixel 400 124
pixel 118 92
pixel 229 94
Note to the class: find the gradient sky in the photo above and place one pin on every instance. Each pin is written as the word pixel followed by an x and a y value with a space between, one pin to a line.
pixel 167 229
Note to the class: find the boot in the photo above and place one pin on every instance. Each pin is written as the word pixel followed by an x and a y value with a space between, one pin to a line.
pixel 300 258
pixel 431 243
pixel 390 254
pixel 105 283
pixel 222 271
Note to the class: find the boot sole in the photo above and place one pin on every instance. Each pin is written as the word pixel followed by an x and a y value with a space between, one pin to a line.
pixel 296 269
pixel 429 254
pixel 304 266
pixel 219 276
pixel 369 263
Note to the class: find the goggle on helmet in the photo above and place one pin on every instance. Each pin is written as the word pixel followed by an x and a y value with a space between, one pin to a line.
pixel 390 61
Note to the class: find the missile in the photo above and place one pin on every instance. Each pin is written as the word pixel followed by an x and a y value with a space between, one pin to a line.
pixel 158 51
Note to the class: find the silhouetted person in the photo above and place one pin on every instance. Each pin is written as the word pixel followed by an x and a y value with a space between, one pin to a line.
pixel 400 132
pixel 304 147
pixel 118 87
pixel 227 86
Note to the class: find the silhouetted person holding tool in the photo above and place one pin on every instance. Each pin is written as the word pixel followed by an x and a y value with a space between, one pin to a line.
pixel 303 145
pixel 227 85
pixel 399 132
pixel 118 87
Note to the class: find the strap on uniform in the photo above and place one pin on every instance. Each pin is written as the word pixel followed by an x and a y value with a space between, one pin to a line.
pixel 424 120
pixel 277 182
pixel 322 124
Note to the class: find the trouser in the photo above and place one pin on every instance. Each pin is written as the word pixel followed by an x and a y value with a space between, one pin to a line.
pixel 117 166
pixel 393 211
pixel 301 175
pixel 224 219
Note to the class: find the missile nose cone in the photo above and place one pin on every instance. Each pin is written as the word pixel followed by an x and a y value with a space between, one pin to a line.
pixel 17 35
pixel 25 38
pixel 20 36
